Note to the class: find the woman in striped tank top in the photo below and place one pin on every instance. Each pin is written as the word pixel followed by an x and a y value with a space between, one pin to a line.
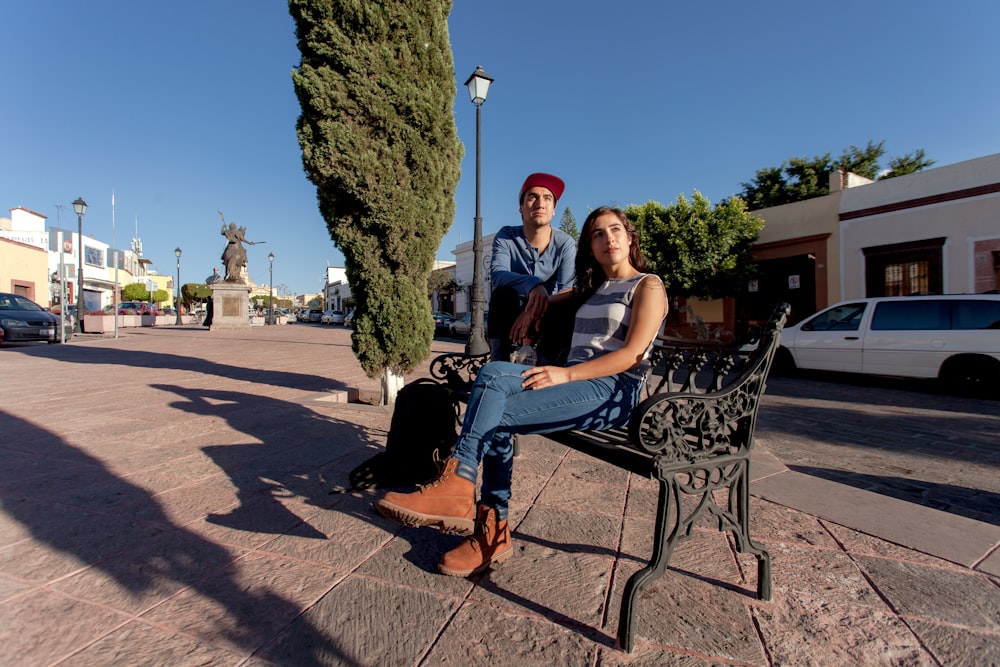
pixel 621 310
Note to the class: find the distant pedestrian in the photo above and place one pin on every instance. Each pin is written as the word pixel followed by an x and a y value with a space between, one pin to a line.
pixel 211 280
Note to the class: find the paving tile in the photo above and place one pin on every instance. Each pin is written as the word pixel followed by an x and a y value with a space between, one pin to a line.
pixel 481 634
pixel 569 589
pixel 935 593
pixel 800 629
pixel 27 635
pixel 363 621
pixel 957 645
pixel 149 572
pixel 140 644
pixel 341 538
pixel 678 611
pixel 822 573
pixel 576 494
pixel 243 604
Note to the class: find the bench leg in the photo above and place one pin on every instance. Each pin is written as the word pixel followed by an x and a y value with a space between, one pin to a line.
pixel 739 506
pixel 663 547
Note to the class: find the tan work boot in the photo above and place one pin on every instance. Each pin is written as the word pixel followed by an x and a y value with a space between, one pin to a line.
pixel 489 544
pixel 448 503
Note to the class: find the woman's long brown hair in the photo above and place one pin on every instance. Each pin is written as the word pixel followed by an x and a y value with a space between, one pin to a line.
pixel 589 273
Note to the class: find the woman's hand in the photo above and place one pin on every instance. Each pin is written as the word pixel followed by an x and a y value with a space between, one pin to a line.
pixel 538 377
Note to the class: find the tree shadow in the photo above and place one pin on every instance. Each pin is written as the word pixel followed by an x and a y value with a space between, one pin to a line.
pixel 125 533
pixel 972 503
pixel 141 359
pixel 294 445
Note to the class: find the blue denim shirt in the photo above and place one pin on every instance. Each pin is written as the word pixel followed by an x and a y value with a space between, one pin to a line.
pixel 516 263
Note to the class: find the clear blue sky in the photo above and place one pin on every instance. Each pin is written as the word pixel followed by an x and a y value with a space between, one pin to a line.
pixel 186 107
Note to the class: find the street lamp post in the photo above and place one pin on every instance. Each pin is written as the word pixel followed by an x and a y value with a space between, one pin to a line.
pixel 478 85
pixel 80 207
pixel 177 301
pixel 270 287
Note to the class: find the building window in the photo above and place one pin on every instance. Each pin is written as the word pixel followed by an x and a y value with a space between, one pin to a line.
pixel 996 269
pixel 902 269
pixel 906 278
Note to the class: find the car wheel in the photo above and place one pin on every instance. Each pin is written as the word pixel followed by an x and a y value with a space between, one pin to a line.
pixel 784 363
pixel 971 375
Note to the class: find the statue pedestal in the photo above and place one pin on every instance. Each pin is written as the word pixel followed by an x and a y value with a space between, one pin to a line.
pixel 230 306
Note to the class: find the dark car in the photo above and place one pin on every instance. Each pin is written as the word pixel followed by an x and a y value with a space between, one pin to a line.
pixel 441 322
pixel 21 319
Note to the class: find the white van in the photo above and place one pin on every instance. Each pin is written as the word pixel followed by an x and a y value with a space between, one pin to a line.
pixel 953 337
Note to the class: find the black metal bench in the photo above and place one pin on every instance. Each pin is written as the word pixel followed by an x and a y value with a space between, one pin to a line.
pixel 693 433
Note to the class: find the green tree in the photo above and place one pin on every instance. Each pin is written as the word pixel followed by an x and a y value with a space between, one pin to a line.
pixel 799 179
pixel 376 87
pixel 195 292
pixel 568 224
pixel 699 250
pixel 907 164
pixel 135 292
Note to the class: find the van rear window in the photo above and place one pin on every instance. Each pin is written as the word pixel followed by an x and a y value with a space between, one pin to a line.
pixel 976 314
pixel 926 315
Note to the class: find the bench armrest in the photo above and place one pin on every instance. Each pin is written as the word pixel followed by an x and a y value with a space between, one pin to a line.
pixel 457 370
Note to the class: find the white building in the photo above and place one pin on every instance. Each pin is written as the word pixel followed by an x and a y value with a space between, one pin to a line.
pixel 336 291
pixel 464 261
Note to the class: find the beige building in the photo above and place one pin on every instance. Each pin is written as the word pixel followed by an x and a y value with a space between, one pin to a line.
pixel 933 231
pixel 24 255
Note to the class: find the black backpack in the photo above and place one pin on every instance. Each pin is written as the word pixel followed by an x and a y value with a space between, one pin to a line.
pixel 421 436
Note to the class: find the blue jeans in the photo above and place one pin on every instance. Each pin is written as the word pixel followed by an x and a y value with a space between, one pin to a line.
pixel 498 408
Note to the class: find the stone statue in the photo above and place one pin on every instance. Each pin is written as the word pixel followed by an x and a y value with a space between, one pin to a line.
pixel 234 257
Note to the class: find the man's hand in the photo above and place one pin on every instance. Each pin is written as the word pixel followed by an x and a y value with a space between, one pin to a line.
pixel 526 325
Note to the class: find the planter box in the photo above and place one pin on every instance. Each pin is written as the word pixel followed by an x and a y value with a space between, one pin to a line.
pixel 98 323
pixel 106 323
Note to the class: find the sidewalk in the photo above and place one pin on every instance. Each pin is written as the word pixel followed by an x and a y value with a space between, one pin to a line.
pixel 165 500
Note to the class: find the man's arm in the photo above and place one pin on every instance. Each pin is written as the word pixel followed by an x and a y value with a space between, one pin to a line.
pixel 567 265
pixel 506 267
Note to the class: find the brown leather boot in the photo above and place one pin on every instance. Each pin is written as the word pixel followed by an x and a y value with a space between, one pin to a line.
pixel 448 503
pixel 489 544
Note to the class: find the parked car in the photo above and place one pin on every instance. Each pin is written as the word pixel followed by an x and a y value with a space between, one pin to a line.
pixel 21 319
pixel 134 308
pixel 463 325
pixel 349 319
pixel 442 321
pixel 952 337
pixel 332 317
pixel 314 315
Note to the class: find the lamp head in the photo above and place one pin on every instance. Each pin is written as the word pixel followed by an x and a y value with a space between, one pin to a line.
pixel 478 85
pixel 80 206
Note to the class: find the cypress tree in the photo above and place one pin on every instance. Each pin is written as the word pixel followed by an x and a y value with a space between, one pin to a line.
pixel 376 87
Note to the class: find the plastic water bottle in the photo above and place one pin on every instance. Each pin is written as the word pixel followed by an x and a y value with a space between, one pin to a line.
pixel 525 355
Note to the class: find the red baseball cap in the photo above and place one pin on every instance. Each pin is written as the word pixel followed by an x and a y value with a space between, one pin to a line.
pixel 553 183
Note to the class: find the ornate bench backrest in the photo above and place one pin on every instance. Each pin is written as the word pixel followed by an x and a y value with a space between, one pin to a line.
pixel 693 424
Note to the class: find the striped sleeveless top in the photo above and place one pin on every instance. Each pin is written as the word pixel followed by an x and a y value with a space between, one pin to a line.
pixel 602 323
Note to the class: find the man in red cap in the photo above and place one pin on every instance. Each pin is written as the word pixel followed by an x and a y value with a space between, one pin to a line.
pixel 529 263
